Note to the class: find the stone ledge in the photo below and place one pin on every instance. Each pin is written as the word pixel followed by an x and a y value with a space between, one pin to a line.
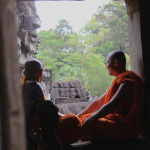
pixel 136 144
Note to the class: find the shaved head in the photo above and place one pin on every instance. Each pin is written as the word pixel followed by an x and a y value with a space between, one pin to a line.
pixel 32 67
pixel 119 56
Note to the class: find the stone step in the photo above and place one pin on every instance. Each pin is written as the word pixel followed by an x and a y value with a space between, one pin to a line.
pixel 136 144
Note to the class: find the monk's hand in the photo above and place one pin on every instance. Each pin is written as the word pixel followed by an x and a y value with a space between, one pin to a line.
pixel 86 126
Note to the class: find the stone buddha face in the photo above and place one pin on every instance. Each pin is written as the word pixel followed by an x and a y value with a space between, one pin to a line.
pixel 33 42
pixel 28 22
pixel 30 43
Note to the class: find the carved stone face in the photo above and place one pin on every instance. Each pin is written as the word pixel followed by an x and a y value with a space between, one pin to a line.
pixel 19 46
pixel 30 42
pixel 28 23
pixel 34 40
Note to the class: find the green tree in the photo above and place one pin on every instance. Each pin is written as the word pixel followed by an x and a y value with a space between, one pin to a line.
pixel 72 44
pixel 114 17
pixel 97 76
pixel 70 39
pixel 82 56
pixel 50 41
pixel 63 28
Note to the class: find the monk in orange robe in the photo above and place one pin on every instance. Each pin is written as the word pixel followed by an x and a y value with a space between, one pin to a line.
pixel 117 114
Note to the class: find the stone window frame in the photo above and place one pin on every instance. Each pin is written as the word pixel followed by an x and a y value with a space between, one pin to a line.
pixel 11 108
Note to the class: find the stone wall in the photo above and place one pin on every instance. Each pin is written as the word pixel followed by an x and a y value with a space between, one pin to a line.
pixel 69 92
pixel 75 108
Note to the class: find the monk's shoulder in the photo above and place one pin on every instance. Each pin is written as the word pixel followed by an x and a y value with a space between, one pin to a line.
pixel 126 89
pixel 39 93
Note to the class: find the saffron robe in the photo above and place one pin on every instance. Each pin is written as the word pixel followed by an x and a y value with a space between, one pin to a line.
pixel 69 129
pixel 125 121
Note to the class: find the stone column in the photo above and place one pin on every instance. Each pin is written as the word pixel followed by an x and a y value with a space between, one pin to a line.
pixel 11 106
pixel 139 32
pixel 134 29
pixel 145 34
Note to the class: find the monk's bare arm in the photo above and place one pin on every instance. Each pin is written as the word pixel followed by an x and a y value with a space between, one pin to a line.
pixel 94 106
pixel 124 92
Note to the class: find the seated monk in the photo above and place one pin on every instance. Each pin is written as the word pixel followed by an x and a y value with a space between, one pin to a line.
pixel 39 113
pixel 68 127
pixel 117 114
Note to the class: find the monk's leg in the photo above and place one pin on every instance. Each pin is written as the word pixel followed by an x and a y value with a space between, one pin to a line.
pixel 107 129
pixel 69 129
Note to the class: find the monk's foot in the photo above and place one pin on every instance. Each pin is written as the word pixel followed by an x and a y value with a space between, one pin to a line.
pixel 88 138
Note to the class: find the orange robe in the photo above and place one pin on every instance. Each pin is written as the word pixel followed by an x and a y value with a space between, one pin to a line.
pixel 69 129
pixel 125 121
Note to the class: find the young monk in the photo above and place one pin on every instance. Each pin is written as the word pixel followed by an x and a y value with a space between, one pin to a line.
pixel 117 114
pixel 67 127
pixel 40 114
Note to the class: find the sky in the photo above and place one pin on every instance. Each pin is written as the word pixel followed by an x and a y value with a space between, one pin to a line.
pixel 77 13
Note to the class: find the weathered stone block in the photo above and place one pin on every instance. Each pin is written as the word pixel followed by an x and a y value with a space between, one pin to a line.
pixel 64 89
pixel 79 93
pixel 73 94
pixel 62 94
pixel 72 84
pixel 64 84
pixel 55 93
pixel 72 90
pixel 55 85
pixel 67 94
pixel 84 93
pixel 75 83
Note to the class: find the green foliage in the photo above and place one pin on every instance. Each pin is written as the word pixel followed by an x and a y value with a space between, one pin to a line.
pixel 105 48
pixel 63 28
pixel 97 75
pixel 81 56
pixel 50 41
pixel 128 64
pixel 114 17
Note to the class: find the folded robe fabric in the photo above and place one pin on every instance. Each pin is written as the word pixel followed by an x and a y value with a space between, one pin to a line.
pixel 69 129
pixel 125 121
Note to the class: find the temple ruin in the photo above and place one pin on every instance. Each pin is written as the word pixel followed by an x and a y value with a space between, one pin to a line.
pixel 12 135
pixel 27 23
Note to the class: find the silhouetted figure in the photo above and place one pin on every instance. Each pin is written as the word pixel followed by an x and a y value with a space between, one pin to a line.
pixel 117 114
pixel 41 115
